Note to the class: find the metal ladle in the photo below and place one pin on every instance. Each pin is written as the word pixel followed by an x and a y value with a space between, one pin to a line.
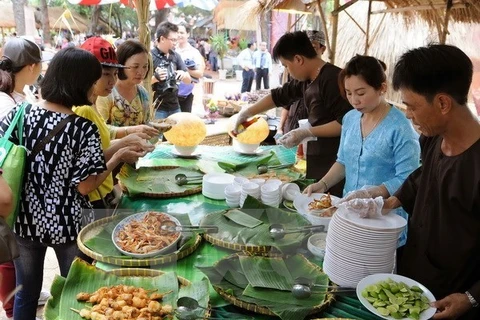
pixel 187 307
pixel 182 176
pixel 277 231
pixel 263 168
pixel 170 226
pixel 302 289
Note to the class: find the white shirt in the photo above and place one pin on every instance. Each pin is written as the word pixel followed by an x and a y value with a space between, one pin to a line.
pixel 190 53
pixel 245 59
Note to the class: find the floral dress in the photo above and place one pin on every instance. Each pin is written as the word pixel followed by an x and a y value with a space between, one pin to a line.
pixel 119 112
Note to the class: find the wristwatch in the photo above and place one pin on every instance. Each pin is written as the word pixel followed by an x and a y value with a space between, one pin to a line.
pixel 472 299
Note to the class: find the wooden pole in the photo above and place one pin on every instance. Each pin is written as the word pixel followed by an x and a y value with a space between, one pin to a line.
pixel 367 39
pixel 336 4
pixel 144 37
pixel 324 25
pixel 443 36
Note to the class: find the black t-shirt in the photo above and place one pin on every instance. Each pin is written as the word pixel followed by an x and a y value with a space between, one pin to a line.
pixel 442 198
pixel 324 104
pixel 166 91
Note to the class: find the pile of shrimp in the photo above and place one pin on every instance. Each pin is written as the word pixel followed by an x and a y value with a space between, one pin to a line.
pixel 123 302
pixel 145 235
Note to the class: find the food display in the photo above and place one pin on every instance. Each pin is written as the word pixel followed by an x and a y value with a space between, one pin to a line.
pixel 320 204
pixel 124 302
pixel 396 299
pixel 143 234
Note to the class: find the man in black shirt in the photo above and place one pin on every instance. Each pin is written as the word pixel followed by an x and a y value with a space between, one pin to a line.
pixel 316 82
pixel 442 197
pixel 168 68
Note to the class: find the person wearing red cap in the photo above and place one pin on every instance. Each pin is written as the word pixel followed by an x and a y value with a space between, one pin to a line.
pixel 127 108
pixel 104 196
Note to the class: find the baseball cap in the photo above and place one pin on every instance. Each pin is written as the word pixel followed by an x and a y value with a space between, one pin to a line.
pixel 315 35
pixel 103 51
pixel 22 52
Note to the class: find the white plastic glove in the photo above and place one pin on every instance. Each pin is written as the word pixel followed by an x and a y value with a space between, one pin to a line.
pixel 357 194
pixel 364 208
pixel 295 137
pixel 242 117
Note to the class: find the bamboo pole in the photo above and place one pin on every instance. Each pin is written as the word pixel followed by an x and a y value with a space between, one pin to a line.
pixel 336 5
pixel 324 25
pixel 443 36
pixel 144 37
pixel 367 36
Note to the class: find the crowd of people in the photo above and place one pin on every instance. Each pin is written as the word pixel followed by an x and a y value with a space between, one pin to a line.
pixel 362 146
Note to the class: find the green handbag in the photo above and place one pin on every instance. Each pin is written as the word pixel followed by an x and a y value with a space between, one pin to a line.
pixel 12 161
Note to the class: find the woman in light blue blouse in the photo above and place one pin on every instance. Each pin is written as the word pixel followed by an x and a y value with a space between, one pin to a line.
pixel 378 147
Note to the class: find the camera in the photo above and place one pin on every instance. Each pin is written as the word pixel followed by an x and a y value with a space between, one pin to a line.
pixel 168 83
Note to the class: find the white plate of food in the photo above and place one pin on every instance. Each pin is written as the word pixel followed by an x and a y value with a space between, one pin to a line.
pixel 314 207
pixel 140 235
pixel 400 307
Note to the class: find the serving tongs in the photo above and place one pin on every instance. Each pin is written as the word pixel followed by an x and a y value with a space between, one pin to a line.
pixel 171 227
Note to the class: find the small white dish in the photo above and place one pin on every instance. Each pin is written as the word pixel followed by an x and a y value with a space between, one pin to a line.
pixel 317 244
pixel 258 181
pixel 194 155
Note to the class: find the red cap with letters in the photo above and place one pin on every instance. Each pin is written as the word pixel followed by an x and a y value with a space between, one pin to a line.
pixel 103 50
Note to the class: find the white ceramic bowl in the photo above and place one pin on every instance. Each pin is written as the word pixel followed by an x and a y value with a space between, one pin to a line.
pixel 185 151
pixel 317 244
pixel 277 182
pixel 258 181
pixel 244 147
pixel 290 191
pixel 214 185
pixel 240 180
pixel 233 190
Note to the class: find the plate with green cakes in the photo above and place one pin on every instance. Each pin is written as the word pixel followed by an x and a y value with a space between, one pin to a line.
pixel 392 296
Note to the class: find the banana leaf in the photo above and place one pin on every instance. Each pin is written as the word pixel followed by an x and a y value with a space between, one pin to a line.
pixel 243 219
pixel 102 242
pixel 83 277
pixel 266 273
pixel 233 233
pixel 279 302
pixel 156 181
pixel 230 167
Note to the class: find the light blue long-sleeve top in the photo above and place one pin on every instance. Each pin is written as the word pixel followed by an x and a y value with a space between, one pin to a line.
pixel 386 156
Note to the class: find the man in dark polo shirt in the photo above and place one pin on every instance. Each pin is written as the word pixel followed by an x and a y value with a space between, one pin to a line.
pixel 442 197
pixel 316 81
pixel 168 68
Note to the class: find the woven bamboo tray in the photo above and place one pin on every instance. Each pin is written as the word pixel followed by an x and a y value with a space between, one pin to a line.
pixel 96 227
pixel 162 195
pixel 239 247
pixel 263 310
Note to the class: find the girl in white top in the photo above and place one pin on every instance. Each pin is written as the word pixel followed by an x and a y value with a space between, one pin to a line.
pixel 20 65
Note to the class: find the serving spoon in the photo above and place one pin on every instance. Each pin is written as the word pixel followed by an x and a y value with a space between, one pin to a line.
pixel 181 179
pixel 263 168
pixel 173 227
pixel 277 231
pixel 302 289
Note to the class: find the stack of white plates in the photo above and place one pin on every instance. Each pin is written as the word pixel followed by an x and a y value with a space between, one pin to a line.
pixel 214 185
pixel 358 247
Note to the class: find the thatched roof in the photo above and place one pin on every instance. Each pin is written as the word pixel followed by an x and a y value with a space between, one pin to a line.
pixel 395 35
pixel 429 10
